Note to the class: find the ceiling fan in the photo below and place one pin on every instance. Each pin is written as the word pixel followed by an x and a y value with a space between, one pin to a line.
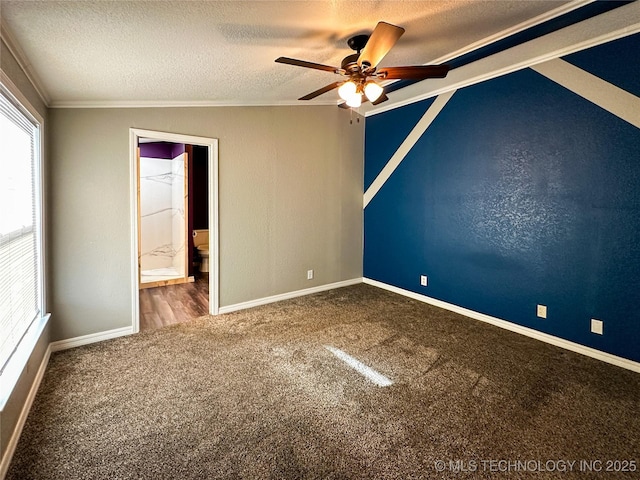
pixel 361 68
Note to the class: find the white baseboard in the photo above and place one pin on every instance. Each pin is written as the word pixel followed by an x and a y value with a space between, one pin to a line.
pixel 286 296
pixel 529 332
pixel 91 338
pixel 17 431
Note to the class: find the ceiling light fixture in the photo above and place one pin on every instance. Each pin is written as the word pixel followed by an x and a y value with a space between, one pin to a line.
pixel 355 100
pixel 372 90
pixel 352 92
pixel 347 90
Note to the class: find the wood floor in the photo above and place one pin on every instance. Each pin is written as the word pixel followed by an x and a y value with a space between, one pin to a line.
pixel 171 304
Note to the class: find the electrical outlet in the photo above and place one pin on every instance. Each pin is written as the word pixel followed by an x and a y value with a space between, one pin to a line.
pixel 597 326
pixel 542 311
pixel 423 280
pixel 309 274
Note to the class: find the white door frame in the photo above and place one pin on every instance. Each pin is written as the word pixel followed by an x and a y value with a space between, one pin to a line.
pixel 214 236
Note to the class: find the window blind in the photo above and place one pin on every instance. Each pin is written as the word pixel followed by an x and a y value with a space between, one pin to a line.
pixel 20 296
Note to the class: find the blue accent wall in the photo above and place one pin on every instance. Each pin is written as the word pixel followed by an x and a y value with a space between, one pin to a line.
pixel 519 193
pixel 385 133
pixel 616 62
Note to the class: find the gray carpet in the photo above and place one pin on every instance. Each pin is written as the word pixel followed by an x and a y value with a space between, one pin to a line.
pixel 255 394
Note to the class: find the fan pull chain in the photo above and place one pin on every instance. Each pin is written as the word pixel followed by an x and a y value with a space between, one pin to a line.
pixel 351 117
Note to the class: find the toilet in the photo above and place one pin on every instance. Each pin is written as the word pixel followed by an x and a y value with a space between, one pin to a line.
pixel 201 243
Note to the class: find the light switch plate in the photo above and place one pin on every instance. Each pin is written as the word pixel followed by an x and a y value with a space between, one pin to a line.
pixel 597 326
pixel 542 311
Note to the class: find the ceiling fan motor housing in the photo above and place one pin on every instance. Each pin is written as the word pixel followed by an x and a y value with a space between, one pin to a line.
pixel 350 63
pixel 358 42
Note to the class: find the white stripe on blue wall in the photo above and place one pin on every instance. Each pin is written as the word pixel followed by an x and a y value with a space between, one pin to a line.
pixel 408 143
pixel 613 99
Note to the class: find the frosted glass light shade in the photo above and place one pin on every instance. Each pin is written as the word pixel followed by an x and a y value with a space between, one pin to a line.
pixel 347 90
pixel 373 91
pixel 355 100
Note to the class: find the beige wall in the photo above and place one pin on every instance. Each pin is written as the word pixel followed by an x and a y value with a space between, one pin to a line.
pixel 13 407
pixel 13 70
pixel 290 200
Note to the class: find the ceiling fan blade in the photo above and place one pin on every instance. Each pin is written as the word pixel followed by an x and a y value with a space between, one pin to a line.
pixel 418 72
pixel 302 63
pixel 320 91
pixel 380 42
pixel 380 99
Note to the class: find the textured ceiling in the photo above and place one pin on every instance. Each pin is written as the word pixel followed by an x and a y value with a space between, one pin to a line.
pixel 215 52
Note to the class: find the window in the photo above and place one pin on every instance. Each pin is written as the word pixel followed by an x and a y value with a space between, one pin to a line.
pixel 21 299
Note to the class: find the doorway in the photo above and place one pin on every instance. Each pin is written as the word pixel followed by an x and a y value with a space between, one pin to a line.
pixel 163 257
pixel 165 212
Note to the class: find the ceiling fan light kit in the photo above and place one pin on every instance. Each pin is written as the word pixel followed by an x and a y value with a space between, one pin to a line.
pixel 373 91
pixel 354 101
pixel 361 68
pixel 347 90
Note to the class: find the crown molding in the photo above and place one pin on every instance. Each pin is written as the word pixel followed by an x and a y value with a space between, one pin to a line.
pixel 405 96
pixel 506 33
pixel 540 19
pixel 609 26
pixel 469 48
pixel 186 104
pixel 14 47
